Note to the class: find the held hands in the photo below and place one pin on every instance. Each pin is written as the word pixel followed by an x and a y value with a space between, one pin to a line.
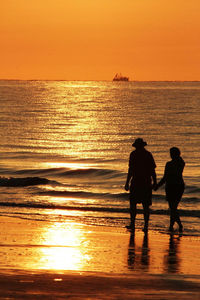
pixel 126 187
pixel 155 187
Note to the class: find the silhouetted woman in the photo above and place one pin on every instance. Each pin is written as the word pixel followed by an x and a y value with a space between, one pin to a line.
pixel 174 185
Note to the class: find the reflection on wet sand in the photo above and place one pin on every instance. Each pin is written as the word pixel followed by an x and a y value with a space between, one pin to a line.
pixel 172 258
pixel 63 248
pixel 138 258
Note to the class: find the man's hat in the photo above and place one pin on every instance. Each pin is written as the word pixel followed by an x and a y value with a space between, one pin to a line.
pixel 139 142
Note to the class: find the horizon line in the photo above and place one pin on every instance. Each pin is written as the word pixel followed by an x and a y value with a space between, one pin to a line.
pixel 18 79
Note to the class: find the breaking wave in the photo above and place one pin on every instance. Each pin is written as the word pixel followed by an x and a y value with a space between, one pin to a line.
pixel 64 172
pixel 22 182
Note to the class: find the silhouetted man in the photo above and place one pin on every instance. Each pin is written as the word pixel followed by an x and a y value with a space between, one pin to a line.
pixel 141 174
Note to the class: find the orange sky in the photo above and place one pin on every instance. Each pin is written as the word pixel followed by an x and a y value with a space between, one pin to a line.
pixel 94 39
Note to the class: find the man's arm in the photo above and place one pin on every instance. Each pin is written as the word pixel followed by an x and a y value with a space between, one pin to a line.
pixel 129 175
pixel 154 179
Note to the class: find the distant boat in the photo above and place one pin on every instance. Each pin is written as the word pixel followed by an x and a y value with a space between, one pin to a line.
pixel 119 77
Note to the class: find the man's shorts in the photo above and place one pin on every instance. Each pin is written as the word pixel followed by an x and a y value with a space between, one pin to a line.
pixel 141 195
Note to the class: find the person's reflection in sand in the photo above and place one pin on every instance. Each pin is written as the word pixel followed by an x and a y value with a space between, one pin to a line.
pixel 139 260
pixel 145 251
pixel 172 260
pixel 131 251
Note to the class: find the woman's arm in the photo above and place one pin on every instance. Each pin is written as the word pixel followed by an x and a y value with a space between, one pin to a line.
pixel 163 180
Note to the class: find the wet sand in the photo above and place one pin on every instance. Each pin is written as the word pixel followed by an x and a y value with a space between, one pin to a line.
pixel 96 286
pixel 46 260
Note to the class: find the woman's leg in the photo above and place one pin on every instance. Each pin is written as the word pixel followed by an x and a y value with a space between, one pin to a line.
pixel 179 194
pixel 173 196
pixel 177 218
pixel 174 215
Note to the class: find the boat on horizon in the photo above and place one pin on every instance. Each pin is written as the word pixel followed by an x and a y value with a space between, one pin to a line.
pixel 120 77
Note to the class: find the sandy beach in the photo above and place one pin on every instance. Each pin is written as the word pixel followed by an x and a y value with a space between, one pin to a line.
pixel 46 260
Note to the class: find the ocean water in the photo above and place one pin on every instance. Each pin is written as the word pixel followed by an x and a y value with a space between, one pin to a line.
pixel 65 146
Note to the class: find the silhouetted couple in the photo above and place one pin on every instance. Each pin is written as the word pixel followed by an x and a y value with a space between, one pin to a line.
pixel 141 179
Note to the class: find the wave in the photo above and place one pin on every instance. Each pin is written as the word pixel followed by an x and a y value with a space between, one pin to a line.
pixel 92 172
pixel 104 209
pixel 114 196
pixel 192 189
pixel 84 195
pixel 65 172
pixel 34 181
pixel 22 182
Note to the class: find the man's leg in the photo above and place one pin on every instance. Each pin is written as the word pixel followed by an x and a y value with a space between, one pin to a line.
pixel 133 213
pixel 146 213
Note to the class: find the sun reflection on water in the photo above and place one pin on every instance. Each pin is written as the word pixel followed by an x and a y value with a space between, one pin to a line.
pixel 69 165
pixel 64 248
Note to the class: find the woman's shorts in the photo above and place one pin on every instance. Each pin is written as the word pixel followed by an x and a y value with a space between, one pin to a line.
pixel 174 192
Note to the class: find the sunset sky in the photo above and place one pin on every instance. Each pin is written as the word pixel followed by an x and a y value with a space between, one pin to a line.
pixel 94 39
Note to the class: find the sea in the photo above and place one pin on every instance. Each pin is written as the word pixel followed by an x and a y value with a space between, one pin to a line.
pixel 65 146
